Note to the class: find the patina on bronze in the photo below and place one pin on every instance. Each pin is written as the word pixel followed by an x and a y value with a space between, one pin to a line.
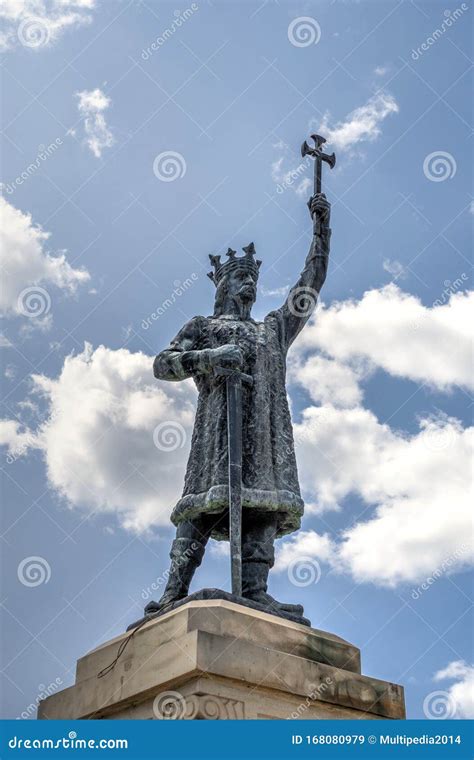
pixel 242 458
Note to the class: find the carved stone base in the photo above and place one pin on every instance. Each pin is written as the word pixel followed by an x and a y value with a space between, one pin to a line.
pixel 218 660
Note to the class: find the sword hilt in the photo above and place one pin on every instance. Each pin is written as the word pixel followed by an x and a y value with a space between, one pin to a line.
pixel 235 373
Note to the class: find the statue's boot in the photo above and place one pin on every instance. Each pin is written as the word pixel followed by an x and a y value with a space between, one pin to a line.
pixel 258 556
pixel 186 555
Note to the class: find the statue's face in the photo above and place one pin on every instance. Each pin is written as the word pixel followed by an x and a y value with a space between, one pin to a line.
pixel 242 285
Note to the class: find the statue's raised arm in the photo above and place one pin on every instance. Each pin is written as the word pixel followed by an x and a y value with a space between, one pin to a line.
pixel 302 298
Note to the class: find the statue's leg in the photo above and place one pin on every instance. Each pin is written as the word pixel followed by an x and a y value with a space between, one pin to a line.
pixel 187 551
pixel 258 556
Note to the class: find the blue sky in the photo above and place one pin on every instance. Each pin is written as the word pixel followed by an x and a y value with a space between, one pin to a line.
pixel 116 257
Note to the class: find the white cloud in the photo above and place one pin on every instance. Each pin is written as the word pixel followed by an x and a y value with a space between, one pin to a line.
pixel 291 178
pixel 394 331
pixel 327 380
pixel 407 481
pixel 98 441
pixel 92 105
pixel 380 71
pixel 460 693
pixel 282 291
pixel 29 270
pixel 305 543
pixel 395 268
pixel 16 438
pixel 39 23
pixel 361 125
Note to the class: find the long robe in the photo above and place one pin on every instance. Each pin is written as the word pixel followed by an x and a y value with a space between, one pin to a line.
pixel 269 470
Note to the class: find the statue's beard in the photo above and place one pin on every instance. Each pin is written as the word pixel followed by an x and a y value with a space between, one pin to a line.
pixel 238 303
pixel 246 295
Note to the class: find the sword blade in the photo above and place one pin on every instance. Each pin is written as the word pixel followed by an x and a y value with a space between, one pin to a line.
pixel 234 436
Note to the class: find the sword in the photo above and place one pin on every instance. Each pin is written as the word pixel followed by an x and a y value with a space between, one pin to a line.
pixel 234 380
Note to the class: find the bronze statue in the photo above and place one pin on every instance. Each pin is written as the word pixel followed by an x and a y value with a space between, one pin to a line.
pixel 242 450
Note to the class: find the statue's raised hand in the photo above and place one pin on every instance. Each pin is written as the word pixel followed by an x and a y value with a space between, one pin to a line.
pixel 318 205
pixel 228 355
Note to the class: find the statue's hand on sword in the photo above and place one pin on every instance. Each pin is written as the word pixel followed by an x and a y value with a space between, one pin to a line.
pixel 228 356
pixel 320 208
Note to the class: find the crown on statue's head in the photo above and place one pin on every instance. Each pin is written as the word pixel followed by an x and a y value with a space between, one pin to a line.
pixel 248 263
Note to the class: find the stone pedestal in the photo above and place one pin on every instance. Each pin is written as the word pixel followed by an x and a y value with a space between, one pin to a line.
pixel 219 660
